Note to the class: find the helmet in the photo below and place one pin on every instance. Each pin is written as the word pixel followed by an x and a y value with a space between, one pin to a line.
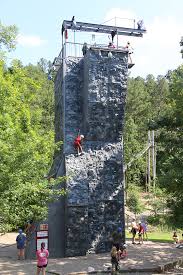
pixel 20 231
pixel 81 136
pixel 119 229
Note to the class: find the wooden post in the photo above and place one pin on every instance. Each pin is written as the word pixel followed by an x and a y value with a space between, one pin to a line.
pixel 146 172
pixel 149 162
pixel 153 162
pixel 63 86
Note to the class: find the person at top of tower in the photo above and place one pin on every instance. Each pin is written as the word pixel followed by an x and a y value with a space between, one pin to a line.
pixel 111 44
pixel 140 25
pixel 84 48
pixel 73 24
pixel 78 144
pixel 113 33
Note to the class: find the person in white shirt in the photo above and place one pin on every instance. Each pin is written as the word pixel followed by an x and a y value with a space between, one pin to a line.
pixel 130 51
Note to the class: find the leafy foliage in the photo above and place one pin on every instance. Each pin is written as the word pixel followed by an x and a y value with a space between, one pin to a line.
pixel 157 104
pixel 26 144
pixel 171 140
pixel 8 36
pixel 133 202
pixel 146 99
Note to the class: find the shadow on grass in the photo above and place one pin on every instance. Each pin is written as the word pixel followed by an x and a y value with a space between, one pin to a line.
pixel 160 240
pixel 154 240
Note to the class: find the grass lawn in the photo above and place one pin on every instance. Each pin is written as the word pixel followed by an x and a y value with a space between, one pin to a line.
pixel 157 236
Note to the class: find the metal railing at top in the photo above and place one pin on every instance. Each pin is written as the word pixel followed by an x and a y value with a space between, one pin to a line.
pixel 71 49
pixel 127 22
pixel 75 49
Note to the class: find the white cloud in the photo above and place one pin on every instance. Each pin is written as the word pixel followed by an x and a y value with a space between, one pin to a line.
pixel 30 40
pixel 159 50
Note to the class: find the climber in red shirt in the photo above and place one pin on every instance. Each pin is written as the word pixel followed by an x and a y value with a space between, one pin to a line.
pixel 77 144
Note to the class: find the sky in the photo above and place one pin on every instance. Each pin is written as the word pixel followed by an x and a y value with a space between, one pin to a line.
pixel 39 23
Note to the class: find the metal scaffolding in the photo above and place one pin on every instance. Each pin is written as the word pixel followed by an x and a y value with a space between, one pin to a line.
pixel 95 28
pixel 98 28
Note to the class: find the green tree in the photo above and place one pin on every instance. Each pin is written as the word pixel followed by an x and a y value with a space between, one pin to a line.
pixel 133 202
pixel 8 35
pixel 135 131
pixel 170 160
pixel 26 146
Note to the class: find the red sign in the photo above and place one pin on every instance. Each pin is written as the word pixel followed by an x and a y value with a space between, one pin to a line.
pixel 43 226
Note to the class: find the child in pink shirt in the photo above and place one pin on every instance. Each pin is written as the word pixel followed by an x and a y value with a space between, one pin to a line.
pixel 42 259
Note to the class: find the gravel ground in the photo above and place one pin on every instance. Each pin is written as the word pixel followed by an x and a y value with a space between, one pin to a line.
pixel 149 255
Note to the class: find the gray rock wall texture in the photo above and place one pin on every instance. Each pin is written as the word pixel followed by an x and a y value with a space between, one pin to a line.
pixel 90 95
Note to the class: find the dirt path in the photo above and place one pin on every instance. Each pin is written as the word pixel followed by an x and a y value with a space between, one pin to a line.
pixel 149 255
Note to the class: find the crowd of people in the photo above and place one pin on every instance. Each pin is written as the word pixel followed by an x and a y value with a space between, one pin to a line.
pixel 118 251
pixel 119 248
pixel 139 233
pixel 140 229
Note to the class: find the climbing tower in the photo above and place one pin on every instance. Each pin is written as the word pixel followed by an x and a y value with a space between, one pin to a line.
pixel 90 94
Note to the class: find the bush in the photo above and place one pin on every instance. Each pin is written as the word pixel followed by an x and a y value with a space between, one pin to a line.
pixel 133 202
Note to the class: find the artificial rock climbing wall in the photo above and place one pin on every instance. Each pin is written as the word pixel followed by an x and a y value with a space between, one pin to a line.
pixel 89 95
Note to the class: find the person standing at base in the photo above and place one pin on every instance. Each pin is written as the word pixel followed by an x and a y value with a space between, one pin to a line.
pixel 114 259
pixel 134 230
pixel 21 242
pixel 144 225
pixel 42 259
pixel 175 237
pixel 140 233
pixel 117 238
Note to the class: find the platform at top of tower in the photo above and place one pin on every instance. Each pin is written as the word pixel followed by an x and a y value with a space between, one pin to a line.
pixel 106 48
pixel 99 28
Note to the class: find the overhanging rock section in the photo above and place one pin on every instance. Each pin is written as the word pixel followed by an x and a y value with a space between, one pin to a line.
pixel 90 95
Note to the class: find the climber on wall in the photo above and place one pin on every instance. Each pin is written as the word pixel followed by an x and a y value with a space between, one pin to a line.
pixel 130 51
pixel 77 144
